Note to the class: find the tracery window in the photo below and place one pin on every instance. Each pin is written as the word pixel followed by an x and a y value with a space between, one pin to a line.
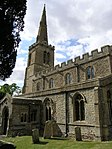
pixel 48 103
pixel 68 78
pixel 90 72
pixel 79 108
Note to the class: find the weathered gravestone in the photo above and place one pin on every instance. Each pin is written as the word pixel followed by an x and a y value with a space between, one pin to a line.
pixel 51 130
pixel 35 136
pixel 47 130
pixel 78 134
pixel 6 145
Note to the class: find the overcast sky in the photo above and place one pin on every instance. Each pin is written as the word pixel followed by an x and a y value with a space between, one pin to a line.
pixel 74 27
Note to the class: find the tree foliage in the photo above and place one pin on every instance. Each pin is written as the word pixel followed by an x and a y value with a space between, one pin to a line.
pixel 11 89
pixel 12 14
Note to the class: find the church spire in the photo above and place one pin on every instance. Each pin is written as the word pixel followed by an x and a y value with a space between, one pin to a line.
pixel 42 32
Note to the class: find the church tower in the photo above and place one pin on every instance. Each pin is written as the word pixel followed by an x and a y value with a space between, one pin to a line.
pixel 41 55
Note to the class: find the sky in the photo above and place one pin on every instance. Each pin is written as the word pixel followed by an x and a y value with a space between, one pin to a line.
pixel 75 27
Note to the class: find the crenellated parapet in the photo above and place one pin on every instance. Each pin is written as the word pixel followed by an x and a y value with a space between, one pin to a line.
pixel 40 44
pixel 95 54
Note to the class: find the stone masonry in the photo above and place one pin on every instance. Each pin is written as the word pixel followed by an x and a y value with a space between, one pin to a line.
pixel 77 94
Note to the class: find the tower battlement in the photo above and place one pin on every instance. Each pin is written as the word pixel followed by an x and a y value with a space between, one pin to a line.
pixel 95 54
pixel 42 44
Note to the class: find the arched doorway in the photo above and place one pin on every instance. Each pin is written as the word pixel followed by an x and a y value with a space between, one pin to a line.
pixel 5 116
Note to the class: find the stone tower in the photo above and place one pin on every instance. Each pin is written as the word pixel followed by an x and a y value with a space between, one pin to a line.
pixel 41 55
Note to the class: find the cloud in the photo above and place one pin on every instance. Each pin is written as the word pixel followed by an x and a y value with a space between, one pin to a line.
pixel 74 27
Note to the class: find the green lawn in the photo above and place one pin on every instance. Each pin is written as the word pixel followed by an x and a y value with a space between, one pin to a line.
pixel 26 143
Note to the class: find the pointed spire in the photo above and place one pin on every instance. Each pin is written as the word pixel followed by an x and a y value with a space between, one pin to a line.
pixel 42 32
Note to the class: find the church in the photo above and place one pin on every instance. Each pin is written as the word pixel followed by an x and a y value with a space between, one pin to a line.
pixel 76 94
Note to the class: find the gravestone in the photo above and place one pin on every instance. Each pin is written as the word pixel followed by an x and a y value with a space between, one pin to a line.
pixel 35 136
pixel 6 145
pixel 47 130
pixel 78 134
pixel 51 130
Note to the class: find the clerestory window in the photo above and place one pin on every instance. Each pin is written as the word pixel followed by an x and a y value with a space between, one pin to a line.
pixel 68 78
pixel 90 72
pixel 51 83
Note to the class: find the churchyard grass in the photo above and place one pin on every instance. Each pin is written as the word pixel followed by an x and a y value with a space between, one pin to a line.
pixel 25 142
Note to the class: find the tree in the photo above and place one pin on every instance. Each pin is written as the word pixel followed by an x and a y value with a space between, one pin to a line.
pixel 11 89
pixel 12 14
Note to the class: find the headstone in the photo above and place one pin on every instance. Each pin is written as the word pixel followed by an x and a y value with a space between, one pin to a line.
pixel 78 134
pixel 35 136
pixel 51 130
pixel 6 145
pixel 56 132
pixel 47 130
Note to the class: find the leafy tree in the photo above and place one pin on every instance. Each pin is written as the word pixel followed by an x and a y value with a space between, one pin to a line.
pixel 12 14
pixel 11 89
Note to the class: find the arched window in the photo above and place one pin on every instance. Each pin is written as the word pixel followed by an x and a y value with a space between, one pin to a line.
pixel 48 109
pixel 90 72
pixel 79 108
pixel 68 78
pixel 51 83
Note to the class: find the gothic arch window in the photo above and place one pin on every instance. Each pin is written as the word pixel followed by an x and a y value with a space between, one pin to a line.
pixel 68 78
pixel 48 109
pixel 51 83
pixel 79 108
pixel 90 72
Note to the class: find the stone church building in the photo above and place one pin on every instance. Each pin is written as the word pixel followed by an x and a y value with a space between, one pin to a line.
pixel 77 94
